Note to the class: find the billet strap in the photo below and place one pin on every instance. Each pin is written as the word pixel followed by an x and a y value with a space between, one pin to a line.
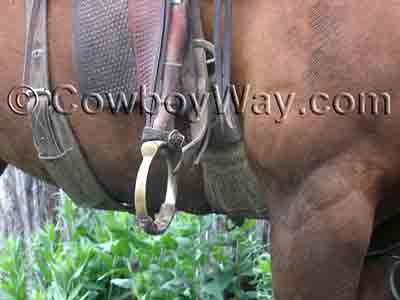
pixel 36 81
pixel 36 64
pixel 54 140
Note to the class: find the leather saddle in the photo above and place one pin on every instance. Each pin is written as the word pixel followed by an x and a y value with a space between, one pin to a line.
pixel 176 67
pixel 172 58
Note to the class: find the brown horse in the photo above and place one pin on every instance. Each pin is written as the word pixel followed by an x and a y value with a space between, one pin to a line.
pixel 329 177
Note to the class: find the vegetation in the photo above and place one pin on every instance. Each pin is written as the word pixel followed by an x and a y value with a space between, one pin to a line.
pixel 102 255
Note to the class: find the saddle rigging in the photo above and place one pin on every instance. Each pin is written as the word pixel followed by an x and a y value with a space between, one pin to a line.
pixel 172 56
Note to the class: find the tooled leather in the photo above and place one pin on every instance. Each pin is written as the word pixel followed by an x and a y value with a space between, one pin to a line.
pixel 103 58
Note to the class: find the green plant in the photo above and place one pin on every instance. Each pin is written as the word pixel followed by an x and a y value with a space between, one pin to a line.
pixel 92 255
pixel 13 283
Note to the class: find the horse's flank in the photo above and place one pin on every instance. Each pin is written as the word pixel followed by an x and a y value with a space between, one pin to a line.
pixel 328 179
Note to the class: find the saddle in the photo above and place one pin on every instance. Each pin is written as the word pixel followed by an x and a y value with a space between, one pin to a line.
pixel 171 57
pixel 173 60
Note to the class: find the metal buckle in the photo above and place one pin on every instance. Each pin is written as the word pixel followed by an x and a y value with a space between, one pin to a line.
pixel 176 140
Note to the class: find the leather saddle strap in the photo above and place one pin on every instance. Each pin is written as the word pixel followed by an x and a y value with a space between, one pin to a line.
pixel 52 134
pixel 228 127
pixel 36 65
pixel 158 29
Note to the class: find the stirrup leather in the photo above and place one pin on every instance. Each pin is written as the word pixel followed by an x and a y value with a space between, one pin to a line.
pixel 170 54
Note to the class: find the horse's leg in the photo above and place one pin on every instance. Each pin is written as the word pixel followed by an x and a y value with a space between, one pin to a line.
pixel 321 234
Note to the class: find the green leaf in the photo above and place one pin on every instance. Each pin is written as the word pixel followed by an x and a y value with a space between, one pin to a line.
pixel 218 286
pixel 75 292
pixel 168 242
pixel 85 296
pixel 120 248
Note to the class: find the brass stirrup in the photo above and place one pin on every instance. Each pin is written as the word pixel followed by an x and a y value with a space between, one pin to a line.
pixel 167 210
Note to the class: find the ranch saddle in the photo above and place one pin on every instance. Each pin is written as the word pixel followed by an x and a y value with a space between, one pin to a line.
pixel 174 63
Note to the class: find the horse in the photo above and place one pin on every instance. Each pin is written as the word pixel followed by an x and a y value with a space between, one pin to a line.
pixel 329 174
